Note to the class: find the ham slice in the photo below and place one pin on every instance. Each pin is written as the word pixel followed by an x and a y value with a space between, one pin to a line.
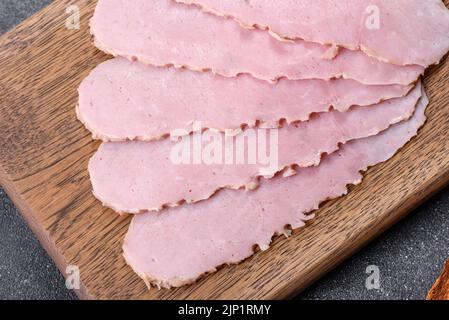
pixel 403 32
pixel 131 177
pixel 176 247
pixel 163 33
pixel 122 100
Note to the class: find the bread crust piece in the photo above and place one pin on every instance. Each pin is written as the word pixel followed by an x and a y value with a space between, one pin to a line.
pixel 440 290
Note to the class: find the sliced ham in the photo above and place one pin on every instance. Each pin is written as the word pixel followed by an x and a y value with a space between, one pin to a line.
pixel 162 33
pixel 132 177
pixel 403 32
pixel 122 100
pixel 176 247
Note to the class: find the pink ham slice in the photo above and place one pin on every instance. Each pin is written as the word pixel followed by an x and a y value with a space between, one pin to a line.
pixel 122 100
pixel 162 32
pixel 131 177
pixel 176 247
pixel 409 32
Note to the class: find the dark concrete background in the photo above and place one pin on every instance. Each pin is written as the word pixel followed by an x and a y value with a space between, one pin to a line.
pixel 410 256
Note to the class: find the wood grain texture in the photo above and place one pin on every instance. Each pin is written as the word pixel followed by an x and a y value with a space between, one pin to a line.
pixel 440 290
pixel 45 150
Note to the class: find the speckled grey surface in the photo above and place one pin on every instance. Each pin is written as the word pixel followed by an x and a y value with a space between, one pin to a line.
pixel 409 256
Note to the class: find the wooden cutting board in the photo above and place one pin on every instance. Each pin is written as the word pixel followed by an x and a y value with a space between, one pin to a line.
pixel 44 153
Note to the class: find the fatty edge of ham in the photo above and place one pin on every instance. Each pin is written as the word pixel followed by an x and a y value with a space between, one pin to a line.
pixel 402 32
pixel 165 33
pixel 130 177
pixel 122 100
pixel 175 248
